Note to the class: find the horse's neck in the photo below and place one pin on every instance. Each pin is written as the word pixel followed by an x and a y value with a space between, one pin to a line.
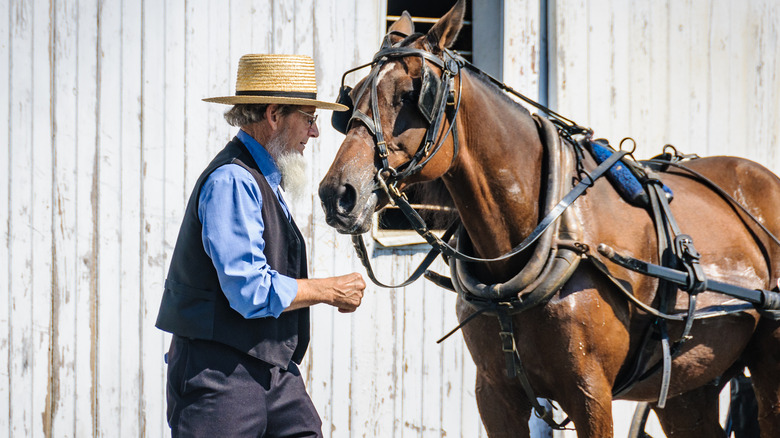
pixel 496 182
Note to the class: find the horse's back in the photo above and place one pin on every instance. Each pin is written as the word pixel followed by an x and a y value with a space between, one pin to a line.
pixel 725 227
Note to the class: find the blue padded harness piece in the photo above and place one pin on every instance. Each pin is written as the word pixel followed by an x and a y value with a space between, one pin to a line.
pixel 621 177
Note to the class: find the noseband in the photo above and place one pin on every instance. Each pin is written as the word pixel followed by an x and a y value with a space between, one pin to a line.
pixel 436 101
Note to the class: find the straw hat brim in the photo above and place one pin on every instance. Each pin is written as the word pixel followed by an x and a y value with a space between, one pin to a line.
pixel 248 99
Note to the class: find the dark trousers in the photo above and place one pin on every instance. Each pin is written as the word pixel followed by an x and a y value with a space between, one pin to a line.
pixel 214 390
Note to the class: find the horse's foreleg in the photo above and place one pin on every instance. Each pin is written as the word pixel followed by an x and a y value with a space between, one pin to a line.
pixel 692 415
pixel 589 406
pixel 763 359
pixel 504 410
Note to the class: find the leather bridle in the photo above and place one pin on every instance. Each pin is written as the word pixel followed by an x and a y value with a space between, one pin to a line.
pixel 436 102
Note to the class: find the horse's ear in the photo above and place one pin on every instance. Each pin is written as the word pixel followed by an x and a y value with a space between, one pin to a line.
pixel 404 25
pixel 443 34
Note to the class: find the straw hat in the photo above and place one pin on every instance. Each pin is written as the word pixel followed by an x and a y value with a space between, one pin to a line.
pixel 282 79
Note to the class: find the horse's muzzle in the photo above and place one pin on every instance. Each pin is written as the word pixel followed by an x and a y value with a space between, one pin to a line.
pixel 342 210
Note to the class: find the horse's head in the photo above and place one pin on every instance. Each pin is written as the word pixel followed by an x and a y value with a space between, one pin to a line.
pixel 397 130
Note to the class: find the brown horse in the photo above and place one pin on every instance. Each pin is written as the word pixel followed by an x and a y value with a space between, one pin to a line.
pixel 576 344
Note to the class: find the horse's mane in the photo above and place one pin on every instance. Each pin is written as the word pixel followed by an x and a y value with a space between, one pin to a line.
pixel 498 92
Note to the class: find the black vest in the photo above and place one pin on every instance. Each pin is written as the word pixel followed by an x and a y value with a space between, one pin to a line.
pixel 193 304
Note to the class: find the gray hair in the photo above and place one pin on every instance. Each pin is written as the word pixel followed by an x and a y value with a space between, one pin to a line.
pixel 246 114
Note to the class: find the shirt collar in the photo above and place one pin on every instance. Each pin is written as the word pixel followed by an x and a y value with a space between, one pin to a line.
pixel 264 161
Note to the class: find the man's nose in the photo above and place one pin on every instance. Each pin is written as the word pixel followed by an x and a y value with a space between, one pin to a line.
pixel 314 131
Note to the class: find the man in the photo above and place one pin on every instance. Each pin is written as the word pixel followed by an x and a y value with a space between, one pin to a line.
pixel 236 298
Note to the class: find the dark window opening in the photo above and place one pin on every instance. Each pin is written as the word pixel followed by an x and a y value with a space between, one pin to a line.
pixel 426 13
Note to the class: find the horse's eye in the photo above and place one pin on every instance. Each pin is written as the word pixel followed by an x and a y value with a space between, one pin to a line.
pixel 408 98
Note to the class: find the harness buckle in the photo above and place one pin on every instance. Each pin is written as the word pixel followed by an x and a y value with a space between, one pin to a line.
pixel 427 148
pixel 382 148
pixel 451 98
pixel 507 342
pixel 397 193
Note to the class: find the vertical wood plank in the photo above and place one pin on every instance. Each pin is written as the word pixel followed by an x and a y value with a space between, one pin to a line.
pixel 132 195
pixel 699 54
pixel 342 368
pixel 452 368
pixel 109 233
pixel 153 168
pixel 618 94
pixel 197 150
pixel 64 285
pixel 20 220
pixel 246 26
pixel 740 74
pixel 766 49
pixel 600 24
pixel 284 26
pixel 399 349
pixel 571 52
pixel 639 69
pixel 718 111
pixel 771 156
pixel 220 83
pixel 42 214
pixel 413 356
pixel 5 214
pixel 86 219
pixel 429 300
pixel 658 49
pixel 679 65
pixel 521 47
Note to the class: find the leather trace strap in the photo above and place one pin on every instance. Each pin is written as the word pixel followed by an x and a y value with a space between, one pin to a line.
pixel 515 369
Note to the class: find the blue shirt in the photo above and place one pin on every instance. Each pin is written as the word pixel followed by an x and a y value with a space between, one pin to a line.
pixel 230 211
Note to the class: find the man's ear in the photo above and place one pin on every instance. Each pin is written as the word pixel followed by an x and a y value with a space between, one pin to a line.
pixel 272 115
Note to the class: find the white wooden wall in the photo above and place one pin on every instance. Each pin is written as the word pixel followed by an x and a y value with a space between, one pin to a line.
pixel 104 134
pixel 699 74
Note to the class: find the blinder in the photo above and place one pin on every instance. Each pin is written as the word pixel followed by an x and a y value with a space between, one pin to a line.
pixel 340 119
pixel 426 103
pixel 429 90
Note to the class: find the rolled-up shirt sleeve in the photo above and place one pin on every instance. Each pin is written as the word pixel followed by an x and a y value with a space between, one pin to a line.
pixel 229 208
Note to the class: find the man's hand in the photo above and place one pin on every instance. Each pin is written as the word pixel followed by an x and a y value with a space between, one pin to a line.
pixel 344 292
pixel 347 291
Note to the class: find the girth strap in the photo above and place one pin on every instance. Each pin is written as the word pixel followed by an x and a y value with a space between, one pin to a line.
pixel 515 368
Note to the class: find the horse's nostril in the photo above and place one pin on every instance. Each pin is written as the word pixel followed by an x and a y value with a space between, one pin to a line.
pixel 346 196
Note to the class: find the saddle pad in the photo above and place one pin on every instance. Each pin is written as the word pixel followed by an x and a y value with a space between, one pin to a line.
pixel 623 179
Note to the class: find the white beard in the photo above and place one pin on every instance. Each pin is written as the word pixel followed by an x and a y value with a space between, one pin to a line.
pixel 292 165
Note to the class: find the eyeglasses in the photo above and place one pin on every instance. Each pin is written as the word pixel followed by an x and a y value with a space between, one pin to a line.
pixel 312 117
